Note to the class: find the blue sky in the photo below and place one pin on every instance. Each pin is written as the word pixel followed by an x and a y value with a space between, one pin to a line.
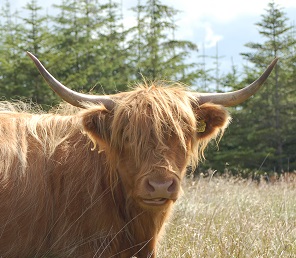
pixel 228 23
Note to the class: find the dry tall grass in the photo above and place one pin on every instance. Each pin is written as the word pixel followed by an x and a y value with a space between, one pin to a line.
pixel 232 218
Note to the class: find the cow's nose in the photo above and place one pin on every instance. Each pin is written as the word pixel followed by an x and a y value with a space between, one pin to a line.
pixel 163 189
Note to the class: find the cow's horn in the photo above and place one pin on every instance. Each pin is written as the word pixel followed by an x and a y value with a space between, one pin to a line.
pixel 234 98
pixel 70 96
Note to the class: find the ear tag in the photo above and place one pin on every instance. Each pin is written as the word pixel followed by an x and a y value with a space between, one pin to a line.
pixel 201 126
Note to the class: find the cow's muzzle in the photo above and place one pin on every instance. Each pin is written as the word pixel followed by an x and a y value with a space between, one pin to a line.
pixel 160 191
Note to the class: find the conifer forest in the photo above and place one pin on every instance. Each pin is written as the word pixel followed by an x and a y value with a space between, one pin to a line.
pixel 86 46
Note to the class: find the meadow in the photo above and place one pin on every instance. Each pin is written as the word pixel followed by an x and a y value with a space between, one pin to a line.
pixel 228 217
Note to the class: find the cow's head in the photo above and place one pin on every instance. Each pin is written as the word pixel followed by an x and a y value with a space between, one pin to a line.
pixel 152 133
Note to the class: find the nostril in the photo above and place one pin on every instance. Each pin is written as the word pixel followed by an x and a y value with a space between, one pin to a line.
pixel 172 187
pixel 150 186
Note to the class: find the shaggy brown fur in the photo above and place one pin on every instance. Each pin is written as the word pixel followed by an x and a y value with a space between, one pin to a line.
pixel 73 185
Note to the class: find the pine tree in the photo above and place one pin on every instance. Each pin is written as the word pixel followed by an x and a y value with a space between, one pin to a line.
pixel 35 37
pixel 115 69
pixel 262 135
pixel 89 40
pixel 273 104
pixel 74 48
pixel 158 54
pixel 266 124
pixel 20 78
pixel 205 79
pixel 10 39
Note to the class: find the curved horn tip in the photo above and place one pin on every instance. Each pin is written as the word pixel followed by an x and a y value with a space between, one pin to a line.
pixel 234 98
pixel 33 57
pixel 30 54
pixel 274 61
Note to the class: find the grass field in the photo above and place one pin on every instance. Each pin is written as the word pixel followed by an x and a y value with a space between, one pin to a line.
pixel 225 217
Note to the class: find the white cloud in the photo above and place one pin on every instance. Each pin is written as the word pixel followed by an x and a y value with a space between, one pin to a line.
pixel 210 38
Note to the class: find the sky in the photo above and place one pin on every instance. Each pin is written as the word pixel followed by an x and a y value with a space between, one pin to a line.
pixel 217 26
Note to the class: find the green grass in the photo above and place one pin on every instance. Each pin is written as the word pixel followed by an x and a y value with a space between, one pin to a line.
pixel 225 217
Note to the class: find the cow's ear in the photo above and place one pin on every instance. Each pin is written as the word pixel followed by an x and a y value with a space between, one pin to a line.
pixel 96 122
pixel 211 119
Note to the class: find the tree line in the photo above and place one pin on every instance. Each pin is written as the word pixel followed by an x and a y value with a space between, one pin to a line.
pixel 86 46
